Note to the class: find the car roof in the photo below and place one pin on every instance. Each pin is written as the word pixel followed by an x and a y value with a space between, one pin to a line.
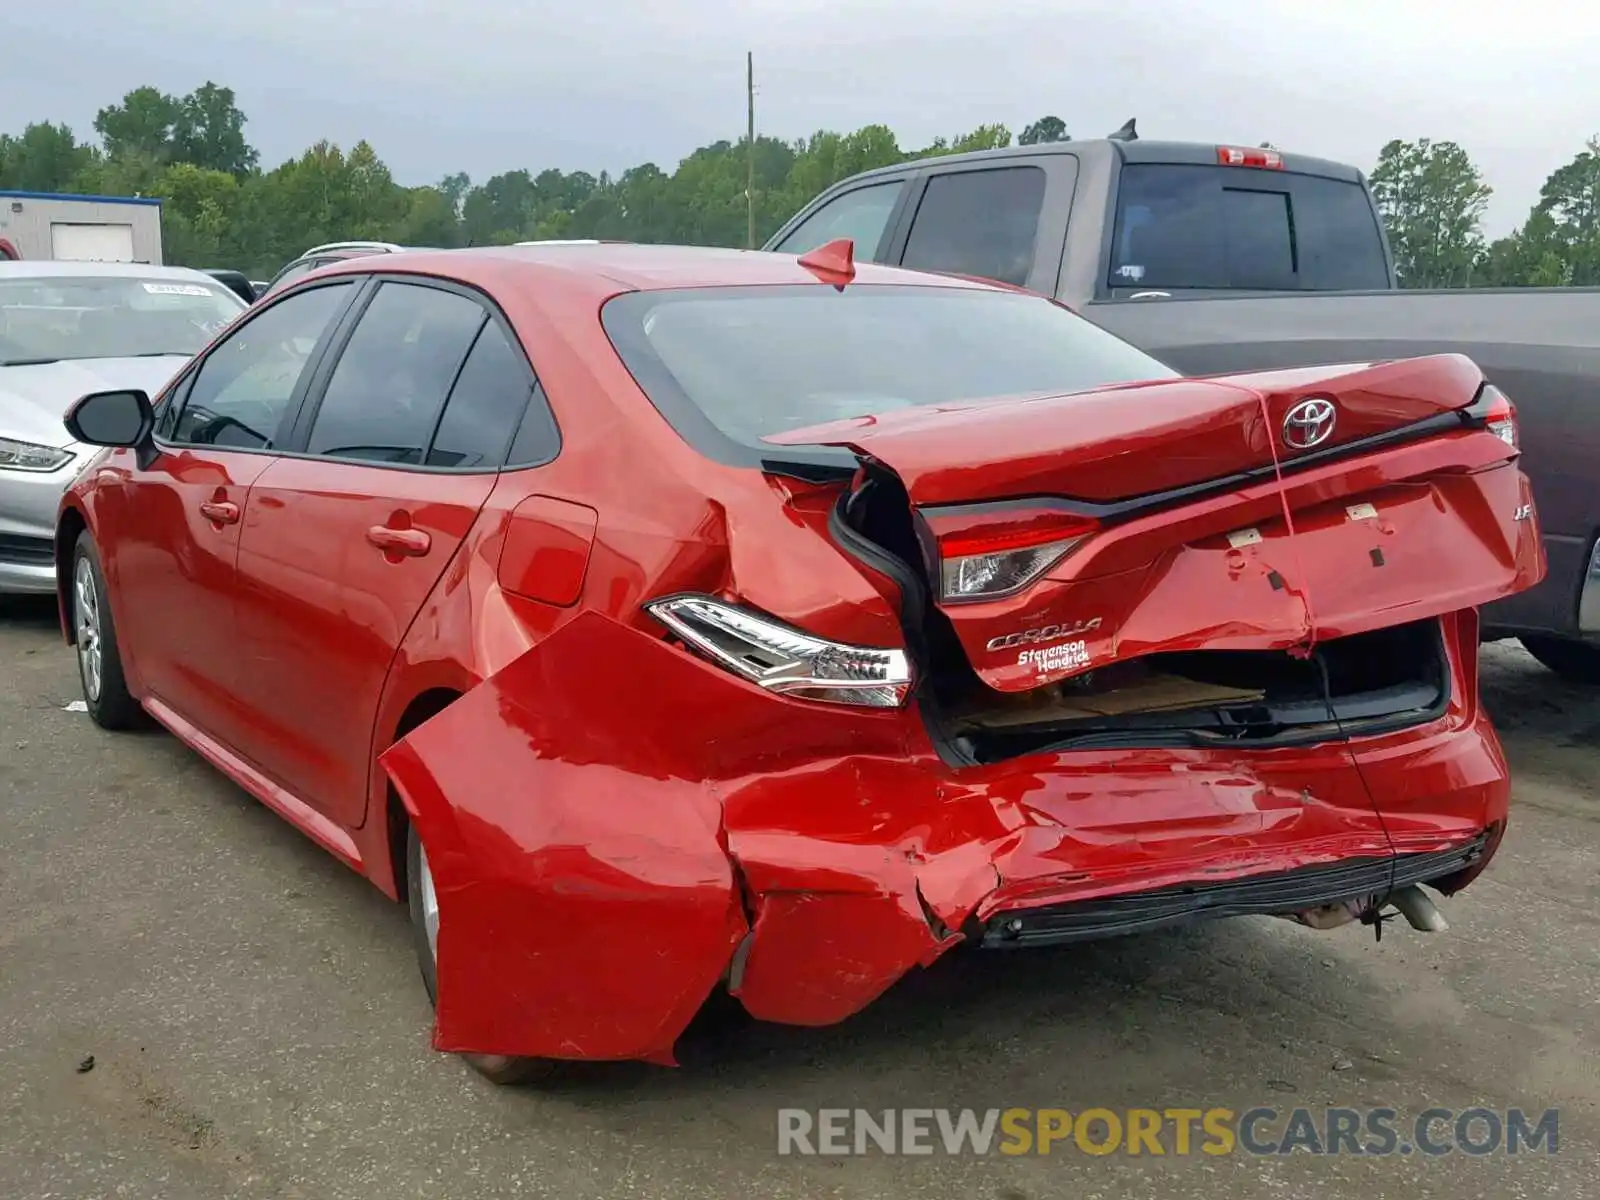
pixel 1138 151
pixel 38 268
pixel 610 267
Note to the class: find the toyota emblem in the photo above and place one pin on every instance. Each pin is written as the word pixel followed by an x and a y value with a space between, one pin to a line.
pixel 1308 424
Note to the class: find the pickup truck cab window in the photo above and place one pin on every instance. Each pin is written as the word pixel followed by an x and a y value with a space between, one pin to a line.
pixel 981 223
pixel 1211 228
pixel 861 214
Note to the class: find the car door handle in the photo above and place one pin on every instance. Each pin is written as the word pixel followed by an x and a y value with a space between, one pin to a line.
pixel 222 512
pixel 413 542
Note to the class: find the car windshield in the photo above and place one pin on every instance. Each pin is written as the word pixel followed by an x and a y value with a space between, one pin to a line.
pixel 47 318
pixel 756 361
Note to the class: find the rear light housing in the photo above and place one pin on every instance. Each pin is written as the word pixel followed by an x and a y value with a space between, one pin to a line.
pixel 783 659
pixel 990 554
pixel 1241 156
pixel 1493 411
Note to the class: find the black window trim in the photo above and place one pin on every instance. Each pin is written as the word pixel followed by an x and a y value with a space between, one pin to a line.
pixel 311 401
pixel 175 397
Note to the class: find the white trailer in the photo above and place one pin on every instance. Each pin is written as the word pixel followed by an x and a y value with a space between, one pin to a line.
pixel 62 228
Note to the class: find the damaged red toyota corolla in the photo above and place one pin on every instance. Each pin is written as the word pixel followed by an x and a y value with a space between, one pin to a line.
pixel 660 620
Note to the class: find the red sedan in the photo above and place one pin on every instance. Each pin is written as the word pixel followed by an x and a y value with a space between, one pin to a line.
pixel 657 620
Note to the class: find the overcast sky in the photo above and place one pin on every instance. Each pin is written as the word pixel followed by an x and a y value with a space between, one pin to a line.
pixel 445 85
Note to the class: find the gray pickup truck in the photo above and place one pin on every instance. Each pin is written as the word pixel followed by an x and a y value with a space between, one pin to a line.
pixel 1218 259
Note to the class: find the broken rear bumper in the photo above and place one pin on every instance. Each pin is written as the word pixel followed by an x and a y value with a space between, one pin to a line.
pixel 1267 894
pixel 600 868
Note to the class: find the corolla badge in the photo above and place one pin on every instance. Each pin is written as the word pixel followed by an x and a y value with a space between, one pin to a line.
pixel 1309 423
pixel 1044 633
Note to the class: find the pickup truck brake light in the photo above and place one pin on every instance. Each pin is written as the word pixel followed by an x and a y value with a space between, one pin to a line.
pixel 1239 156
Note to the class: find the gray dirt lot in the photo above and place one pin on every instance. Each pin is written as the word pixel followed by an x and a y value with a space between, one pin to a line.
pixel 258 1028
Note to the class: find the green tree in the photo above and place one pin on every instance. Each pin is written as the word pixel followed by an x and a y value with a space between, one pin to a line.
pixel 43 158
pixel 1432 199
pixel 1045 129
pixel 199 214
pixel 140 126
pixel 208 131
pixel 984 137
pixel 1570 199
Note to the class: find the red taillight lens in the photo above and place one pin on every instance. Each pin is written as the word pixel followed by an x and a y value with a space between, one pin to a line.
pixel 1502 421
pixel 1239 156
pixel 1495 412
pixel 994 553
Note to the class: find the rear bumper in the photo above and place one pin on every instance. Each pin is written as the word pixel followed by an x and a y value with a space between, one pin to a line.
pixel 600 872
pixel 1268 894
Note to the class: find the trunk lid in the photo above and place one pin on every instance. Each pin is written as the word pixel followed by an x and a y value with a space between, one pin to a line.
pixel 1131 440
pixel 1059 534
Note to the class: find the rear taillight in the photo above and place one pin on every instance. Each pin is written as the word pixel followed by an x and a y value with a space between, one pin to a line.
pixel 782 659
pixel 1493 411
pixel 1240 156
pixel 1001 552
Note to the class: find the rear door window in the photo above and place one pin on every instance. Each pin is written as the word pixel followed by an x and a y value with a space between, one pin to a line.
pixel 486 405
pixel 1225 228
pixel 385 396
pixel 862 215
pixel 980 223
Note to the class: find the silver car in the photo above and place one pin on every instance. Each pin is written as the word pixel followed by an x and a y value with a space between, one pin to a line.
pixel 66 329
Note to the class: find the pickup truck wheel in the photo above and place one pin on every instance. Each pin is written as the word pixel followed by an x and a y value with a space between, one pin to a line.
pixel 424 904
pixel 1576 662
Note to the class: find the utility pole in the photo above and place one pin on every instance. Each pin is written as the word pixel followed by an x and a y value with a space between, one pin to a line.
pixel 750 149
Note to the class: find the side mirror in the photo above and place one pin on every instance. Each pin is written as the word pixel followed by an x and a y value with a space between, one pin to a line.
pixel 111 419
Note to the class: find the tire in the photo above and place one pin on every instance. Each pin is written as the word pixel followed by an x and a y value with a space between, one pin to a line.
pixel 497 1068
pixel 1574 661
pixel 94 632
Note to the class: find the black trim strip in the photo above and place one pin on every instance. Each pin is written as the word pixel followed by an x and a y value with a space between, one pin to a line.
pixel 1151 501
pixel 1271 894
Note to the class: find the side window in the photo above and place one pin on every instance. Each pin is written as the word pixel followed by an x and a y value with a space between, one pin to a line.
pixel 538 438
pixel 485 405
pixel 978 223
pixel 292 272
pixel 385 395
pixel 861 215
pixel 240 395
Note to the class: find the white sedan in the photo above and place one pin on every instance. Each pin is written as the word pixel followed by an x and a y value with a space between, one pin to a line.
pixel 67 329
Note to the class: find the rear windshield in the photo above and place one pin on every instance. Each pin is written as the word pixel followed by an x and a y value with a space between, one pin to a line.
pixel 728 366
pixel 1233 228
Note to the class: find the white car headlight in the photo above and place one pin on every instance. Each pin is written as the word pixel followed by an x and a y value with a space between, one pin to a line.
pixel 28 456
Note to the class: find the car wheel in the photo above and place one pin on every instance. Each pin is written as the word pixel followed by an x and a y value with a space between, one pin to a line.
pixel 424 904
pixel 1574 661
pixel 105 690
